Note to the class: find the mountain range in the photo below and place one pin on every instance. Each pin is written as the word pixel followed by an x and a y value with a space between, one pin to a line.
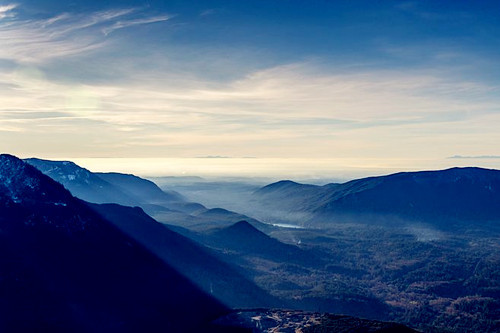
pixel 129 190
pixel 445 199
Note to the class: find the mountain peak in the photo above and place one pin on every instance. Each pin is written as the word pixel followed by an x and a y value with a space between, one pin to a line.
pixel 241 230
pixel 27 194
pixel 10 163
pixel 20 181
pixel 66 171
pixel 284 185
pixel 33 160
pixel 242 225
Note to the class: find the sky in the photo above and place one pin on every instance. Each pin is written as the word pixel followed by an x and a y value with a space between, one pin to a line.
pixel 287 87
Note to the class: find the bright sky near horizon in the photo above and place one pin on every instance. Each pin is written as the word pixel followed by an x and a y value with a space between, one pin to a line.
pixel 388 85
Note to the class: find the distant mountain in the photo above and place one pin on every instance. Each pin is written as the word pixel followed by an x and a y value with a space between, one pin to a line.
pixel 291 196
pixel 141 188
pixel 64 268
pixel 441 198
pixel 130 190
pixel 191 259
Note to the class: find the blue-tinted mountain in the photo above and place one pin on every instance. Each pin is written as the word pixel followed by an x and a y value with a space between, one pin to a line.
pixel 442 198
pixel 82 183
pixel 143 189
pixel 288 196
pixel 244 239
pixel 130 190
pixel 64 268
pixel 223 217
pixel 124 189
pixel 193 260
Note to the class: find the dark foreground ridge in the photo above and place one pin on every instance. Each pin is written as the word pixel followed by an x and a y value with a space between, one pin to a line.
pixel 262 320
pixel 63 268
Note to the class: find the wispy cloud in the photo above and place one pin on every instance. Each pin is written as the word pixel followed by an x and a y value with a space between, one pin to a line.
pixel 413 7
pixel 208 12
pixel 129 23
pixel 37 41
pixel 6 11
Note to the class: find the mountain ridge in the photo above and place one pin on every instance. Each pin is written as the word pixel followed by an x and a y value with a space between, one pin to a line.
pixel 445 197
pixel 67 269
pixel 130 190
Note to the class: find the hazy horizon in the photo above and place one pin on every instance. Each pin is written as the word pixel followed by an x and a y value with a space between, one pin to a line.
pixel 272 168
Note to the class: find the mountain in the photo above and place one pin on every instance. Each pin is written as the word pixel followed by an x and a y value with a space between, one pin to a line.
pixel 124 189
pixel 82 183
pixel 64 268
pixel 246 240
pixel 442 198
pixel 191 259
pixel 141 188
pixel 129 190
pixel 222 217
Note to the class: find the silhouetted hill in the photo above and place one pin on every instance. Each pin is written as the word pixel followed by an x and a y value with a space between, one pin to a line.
pixel 222 217
pixel 245 239
pixel 64 268
pixel 286 185
pixel 441 198
pixel 191 259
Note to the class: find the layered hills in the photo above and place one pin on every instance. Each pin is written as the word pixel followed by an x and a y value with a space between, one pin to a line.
pixel 129 190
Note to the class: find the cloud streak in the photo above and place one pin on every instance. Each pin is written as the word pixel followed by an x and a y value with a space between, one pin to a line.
pixel 130 23
pixel 5 11
pixel 479 157
pixel 64 35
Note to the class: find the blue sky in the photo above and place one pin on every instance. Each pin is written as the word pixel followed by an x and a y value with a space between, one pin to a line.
pixel 385 84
